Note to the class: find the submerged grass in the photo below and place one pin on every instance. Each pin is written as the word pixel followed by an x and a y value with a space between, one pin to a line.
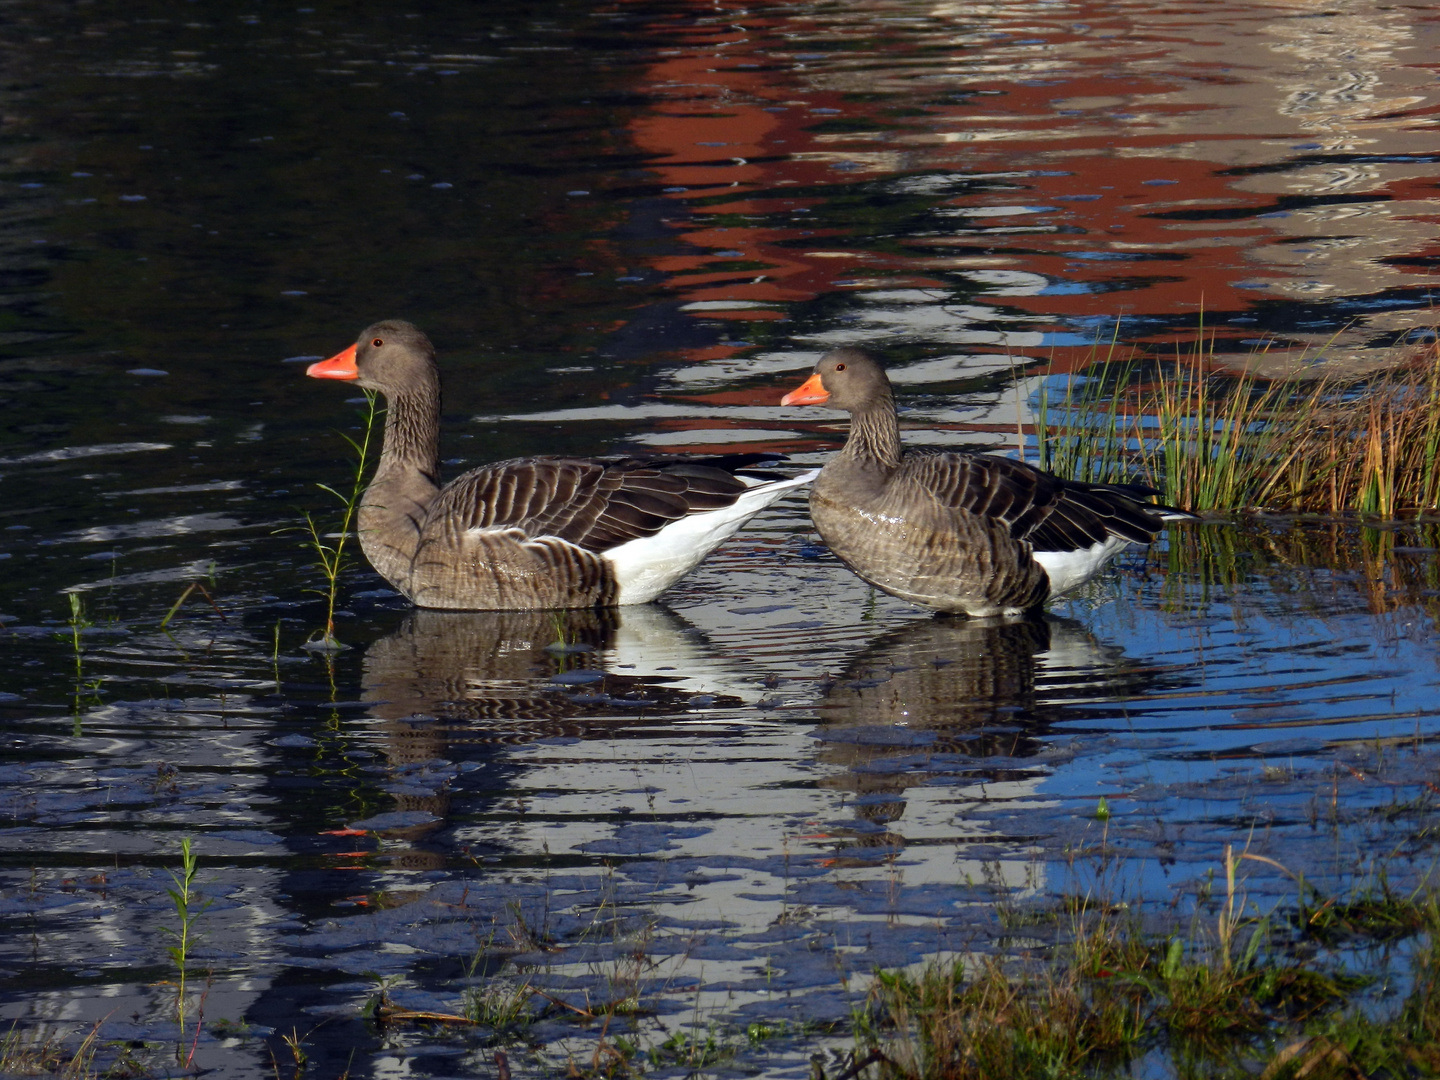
pixel 1212 440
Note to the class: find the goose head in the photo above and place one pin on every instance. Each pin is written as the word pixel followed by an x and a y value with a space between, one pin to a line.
pixel 389 356
pixel 850 379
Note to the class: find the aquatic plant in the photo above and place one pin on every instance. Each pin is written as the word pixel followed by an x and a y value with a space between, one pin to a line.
pixel 1211 439
pixel 275 656
pixel 86 691
pixel 78 624
pixel 329 546
pixel 188 909
pixel 1253 997
pixel 295 1043
pixel 194 586
pixel 501 1004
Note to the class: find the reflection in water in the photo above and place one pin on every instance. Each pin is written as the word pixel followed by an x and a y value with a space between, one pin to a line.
pixel 1318 567
pixel 958 701
pixel 509 676
pixel 967 700
pixel 980 180
pixel 449 684
pixel 952 678
pixel 761 857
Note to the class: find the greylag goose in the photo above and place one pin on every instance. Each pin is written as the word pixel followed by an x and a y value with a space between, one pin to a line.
pixel 957 531
pixel 539 532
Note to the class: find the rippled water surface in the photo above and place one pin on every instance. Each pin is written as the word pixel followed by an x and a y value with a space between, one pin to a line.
pixel 635 225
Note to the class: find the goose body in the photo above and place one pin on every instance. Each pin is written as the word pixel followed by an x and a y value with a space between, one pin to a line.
pixel 539 532
pixel 954 531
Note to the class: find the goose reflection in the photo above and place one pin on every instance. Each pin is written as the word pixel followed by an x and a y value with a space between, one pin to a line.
pixel 447 688
pixel 968 700
pixel 511 676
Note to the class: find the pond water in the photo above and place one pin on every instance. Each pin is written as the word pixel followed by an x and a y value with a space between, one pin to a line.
pixel 635 225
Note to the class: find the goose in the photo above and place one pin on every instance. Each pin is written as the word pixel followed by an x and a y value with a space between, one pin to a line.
pixel 537 532
pixel 958 532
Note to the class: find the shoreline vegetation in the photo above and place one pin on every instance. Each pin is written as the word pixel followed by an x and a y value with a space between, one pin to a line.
pixel 1320 986
pixel 1111 1003
pixel 1217 441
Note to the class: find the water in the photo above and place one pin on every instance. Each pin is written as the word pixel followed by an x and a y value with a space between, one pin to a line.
pixel 635 227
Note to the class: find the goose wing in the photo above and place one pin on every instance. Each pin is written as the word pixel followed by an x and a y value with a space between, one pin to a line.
pixel 1038 507
pixel 593 503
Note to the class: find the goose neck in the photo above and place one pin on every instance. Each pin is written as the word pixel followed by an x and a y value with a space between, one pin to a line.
pixel 412 432
pixel 875 436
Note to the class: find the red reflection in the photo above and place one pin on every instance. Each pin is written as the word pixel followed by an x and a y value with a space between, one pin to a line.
pixel 1095 197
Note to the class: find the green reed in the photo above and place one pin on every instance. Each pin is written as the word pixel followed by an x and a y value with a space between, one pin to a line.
pixel 78 623
pixel 1082 434
pixel 331 556
pixel 189 906
pixel 1213 440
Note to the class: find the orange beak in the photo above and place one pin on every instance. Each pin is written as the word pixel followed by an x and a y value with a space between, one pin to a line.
pixel 339 366
pixel 811 392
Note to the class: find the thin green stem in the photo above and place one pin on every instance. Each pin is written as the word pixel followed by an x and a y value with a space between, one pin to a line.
pixel 188 908
pixel 332 556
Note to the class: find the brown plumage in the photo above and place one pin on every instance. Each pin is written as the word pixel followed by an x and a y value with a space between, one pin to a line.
pixel 540 532
pixel 957 531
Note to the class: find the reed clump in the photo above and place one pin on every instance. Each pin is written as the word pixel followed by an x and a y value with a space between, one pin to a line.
pixel 1213 440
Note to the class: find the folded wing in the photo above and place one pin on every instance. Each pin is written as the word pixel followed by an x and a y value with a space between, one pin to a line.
pixel 594 503
pixel 1049 513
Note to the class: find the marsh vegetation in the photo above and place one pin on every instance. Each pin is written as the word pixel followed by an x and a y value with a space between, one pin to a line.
pixel 1213 440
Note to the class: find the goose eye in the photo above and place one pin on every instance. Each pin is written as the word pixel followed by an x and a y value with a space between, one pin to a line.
pixel 377 342
pixel 839 367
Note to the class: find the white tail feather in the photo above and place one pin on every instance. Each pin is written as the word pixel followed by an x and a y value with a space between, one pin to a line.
pixel 646 567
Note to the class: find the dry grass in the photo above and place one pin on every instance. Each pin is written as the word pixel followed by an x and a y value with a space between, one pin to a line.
pixel 46 1052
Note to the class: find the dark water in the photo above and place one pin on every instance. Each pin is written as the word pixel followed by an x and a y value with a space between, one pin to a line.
pixel 635 225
